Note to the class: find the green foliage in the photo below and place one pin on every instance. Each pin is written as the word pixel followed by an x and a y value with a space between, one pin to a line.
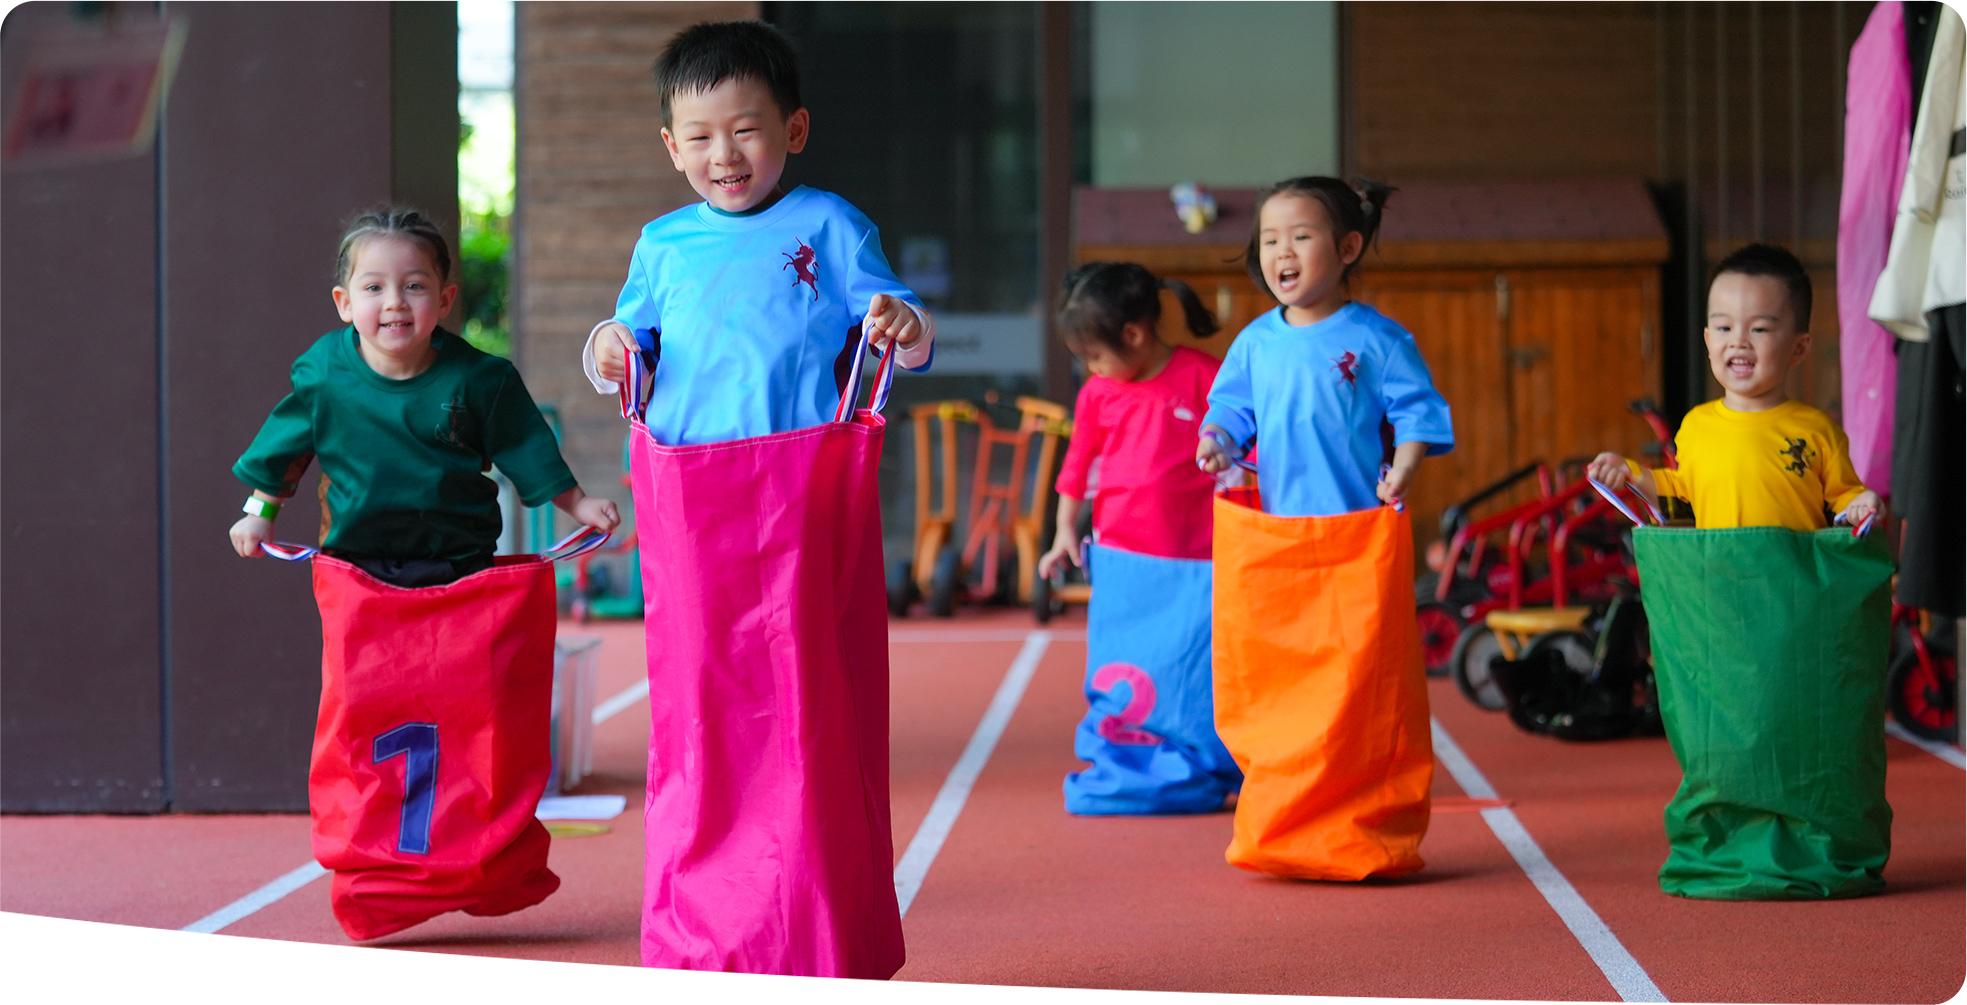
pixel 484 247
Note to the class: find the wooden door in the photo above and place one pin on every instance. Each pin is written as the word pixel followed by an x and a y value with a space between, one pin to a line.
pixel 1580 346
pixel 1454 317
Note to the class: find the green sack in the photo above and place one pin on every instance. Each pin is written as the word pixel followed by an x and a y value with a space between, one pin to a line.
pixel 1770 651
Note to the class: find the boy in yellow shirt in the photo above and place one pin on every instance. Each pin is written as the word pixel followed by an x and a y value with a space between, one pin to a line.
pixel 1754 458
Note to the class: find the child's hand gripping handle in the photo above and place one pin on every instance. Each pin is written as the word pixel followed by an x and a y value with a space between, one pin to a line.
pixel 1399 504
pixel 1863 527
pixel 884 380
pixel 1229 477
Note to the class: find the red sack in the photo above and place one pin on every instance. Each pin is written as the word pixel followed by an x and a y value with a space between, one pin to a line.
pixel 432 746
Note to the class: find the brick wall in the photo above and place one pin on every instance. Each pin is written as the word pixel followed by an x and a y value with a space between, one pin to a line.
pixel 591 171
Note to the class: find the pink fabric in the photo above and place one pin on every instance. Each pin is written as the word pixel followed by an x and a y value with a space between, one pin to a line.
pixel 1877 136
pixel 769 847
pixel 1152 500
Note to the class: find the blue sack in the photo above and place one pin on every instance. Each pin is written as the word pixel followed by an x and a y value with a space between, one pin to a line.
pixel 1150 733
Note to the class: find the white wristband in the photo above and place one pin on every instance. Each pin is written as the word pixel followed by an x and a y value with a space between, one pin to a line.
pixel 258 507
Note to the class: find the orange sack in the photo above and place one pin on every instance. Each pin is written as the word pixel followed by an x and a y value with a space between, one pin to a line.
pixel 1320 693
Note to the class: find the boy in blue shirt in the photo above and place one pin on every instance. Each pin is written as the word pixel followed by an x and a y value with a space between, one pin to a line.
pixel 769 845
pixel 748 306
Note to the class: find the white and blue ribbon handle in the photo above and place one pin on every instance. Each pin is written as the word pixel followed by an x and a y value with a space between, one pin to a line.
pixel 1618 502
pixel 580 542
pixel 287 552
pixel 583 540
pixel 1863 527
pixel 634 396
pixel 884 379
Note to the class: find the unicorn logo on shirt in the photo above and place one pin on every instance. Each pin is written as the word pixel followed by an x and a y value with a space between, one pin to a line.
pixel 804 266
pixel 1348 367
pixel 1800 455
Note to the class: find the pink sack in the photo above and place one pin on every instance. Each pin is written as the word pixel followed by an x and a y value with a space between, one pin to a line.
pixel 769 847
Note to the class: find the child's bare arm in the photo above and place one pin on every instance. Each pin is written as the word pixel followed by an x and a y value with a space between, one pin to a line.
pixel 1065 539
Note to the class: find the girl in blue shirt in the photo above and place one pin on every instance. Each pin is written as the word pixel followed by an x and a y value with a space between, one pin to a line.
pixel 1317 379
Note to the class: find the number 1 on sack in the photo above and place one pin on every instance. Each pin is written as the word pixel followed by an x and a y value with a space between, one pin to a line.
pixel 417 742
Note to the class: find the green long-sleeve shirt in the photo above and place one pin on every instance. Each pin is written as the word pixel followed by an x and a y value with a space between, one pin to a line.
pixel 406 460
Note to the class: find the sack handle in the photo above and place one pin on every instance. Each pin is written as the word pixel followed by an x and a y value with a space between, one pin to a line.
pixel 1612 496
pixel 884 379
pixel 583 540
pixel 288 552
pixel 635 390
pixel 1399 505
pixel 580 542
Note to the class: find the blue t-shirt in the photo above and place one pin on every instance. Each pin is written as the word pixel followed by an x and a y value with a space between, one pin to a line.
pixel 1315 396
pixel 757 315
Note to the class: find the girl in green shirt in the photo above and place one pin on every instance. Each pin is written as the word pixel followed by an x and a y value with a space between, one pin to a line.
pixel 406 419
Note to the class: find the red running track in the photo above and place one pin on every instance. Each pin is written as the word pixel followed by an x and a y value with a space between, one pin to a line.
pixel 1021 893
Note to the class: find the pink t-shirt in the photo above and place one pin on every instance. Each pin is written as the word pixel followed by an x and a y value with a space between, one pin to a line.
pixel 1153 500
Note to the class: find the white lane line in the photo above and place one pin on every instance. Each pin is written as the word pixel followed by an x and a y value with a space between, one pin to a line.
pixel 915 862
pixel 1627 976
pixel 1944 751
pixel 932 635
pixel 272 892
pixel 257 899
pixel 935 828
pixel 629 695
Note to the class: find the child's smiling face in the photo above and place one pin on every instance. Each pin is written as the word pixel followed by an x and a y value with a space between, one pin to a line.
pixel 731 141
pixel 1752 341
pixel 1302 258
pixel 394 297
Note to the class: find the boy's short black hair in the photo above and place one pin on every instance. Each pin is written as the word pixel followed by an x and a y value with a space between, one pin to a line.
pixel 1769 260
pixel 705 55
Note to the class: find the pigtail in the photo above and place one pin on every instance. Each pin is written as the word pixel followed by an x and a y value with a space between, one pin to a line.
pixel 1372 204
pixel 1201 323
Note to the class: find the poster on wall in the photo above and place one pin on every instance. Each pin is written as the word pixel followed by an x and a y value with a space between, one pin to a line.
pixel 90 92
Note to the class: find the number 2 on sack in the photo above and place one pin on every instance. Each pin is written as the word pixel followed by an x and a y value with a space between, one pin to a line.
pixel 1124 726
pixel 417 742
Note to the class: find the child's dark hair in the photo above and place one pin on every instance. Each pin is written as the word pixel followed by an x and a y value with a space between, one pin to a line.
pixel 1101 299
pixel 705 55
pixel 1352 206
pixel 393 221
pixel 1769 260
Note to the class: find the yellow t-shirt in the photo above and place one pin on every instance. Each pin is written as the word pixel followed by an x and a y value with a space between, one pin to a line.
pixel 1788 466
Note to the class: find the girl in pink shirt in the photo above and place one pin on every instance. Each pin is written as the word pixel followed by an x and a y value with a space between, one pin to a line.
pixel 1149 733
pixel 1138 415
